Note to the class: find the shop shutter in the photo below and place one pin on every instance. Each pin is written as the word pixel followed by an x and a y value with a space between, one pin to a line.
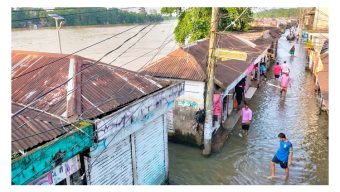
pixel 150 153
pixel 113 166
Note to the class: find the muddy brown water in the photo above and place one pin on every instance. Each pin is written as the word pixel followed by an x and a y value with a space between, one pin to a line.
pixel 246 160
pixel 75 38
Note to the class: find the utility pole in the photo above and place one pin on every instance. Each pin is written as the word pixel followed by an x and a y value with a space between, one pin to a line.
pixel 58 18
pixel 208 129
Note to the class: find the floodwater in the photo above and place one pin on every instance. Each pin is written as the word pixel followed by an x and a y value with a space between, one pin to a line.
pixel 246 160
pixel 76 38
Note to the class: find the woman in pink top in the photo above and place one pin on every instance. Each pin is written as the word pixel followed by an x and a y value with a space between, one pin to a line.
pixel 277 70
pixel 216 108
pixel 285 81
pixel 247 116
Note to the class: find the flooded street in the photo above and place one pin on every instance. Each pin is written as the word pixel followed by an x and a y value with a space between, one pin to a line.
pixel 76 38
pixel 247 160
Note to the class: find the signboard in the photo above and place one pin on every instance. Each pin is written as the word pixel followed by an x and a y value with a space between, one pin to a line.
pixel 225 54
pixel 308 44
pixel 59 173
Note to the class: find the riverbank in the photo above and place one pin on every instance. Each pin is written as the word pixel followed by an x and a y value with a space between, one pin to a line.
pixel 94 26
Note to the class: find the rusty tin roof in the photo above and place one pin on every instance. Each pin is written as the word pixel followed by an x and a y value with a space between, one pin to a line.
pixel 99 89
pixel 190 62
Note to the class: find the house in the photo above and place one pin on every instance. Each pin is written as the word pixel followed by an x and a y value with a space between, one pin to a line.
pixel 98 124
pixel 322 77
pixel 189 63
pixel 315 32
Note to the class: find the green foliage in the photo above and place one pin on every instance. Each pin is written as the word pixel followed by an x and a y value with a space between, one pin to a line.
pixel 27 12
pixel 194 23
pixel 275 13
pixel 90 16
pixel 232 13
pixel 171 10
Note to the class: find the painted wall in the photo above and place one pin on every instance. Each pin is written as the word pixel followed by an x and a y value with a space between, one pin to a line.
pixel 131 146
pixel 185 129
pixel 59 173
pixel 45 158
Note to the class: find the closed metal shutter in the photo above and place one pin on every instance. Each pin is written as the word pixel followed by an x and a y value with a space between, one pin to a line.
pixel 114 165
pixel 170 121
pixel 150 153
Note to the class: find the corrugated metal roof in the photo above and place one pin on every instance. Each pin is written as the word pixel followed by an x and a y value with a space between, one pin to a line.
pixel 99 89
pixel 179 64
pixel 33 127
pixel 190 62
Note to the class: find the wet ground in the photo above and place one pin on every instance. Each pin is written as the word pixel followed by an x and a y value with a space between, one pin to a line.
pixel 246 160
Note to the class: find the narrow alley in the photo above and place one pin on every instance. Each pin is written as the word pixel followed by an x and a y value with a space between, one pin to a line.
pixel 246 160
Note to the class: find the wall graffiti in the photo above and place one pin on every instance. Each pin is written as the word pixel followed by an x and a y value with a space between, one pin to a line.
pixel 185 103
pixel 46 179
pixel 59 173
pixel 65 169
pixel 140 111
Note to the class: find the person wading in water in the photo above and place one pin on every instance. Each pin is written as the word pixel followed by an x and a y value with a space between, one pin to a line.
pixel 246 116
pixel 283 156
pixel 285 82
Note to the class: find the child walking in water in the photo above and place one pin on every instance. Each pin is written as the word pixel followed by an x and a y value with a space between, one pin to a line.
pixel 292 50
pixel 285 82
pixel 246 116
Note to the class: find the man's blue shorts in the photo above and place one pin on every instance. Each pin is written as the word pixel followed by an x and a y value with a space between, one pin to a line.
pixel 283 165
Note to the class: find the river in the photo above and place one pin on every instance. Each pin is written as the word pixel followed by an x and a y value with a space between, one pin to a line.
pixel 76 38
pixel 246 160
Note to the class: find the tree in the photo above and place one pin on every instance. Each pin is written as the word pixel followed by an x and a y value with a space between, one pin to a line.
pixel 275 13
pixel 80 16
pixel 194 23
pixel 153 12
pixel 142 11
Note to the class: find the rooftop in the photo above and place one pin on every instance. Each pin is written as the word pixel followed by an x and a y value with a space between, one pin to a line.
pixel 96 90
pixel 190 62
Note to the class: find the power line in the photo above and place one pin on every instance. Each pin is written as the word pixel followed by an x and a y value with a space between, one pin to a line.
pixel 75 52
pixel 110 98
pixel 159 48
pixel 92 76
pixel 131 45
pixel 61 96
pixel 87 80
pixel 41 96
pixel 77 144
pixel 83 141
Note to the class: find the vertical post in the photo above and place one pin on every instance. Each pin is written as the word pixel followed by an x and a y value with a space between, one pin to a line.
pixel 134 159
pixel 210 83
pixel 58 27
pixel 166 151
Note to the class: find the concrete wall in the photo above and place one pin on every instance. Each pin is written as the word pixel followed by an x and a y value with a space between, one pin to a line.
pixel 183 126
